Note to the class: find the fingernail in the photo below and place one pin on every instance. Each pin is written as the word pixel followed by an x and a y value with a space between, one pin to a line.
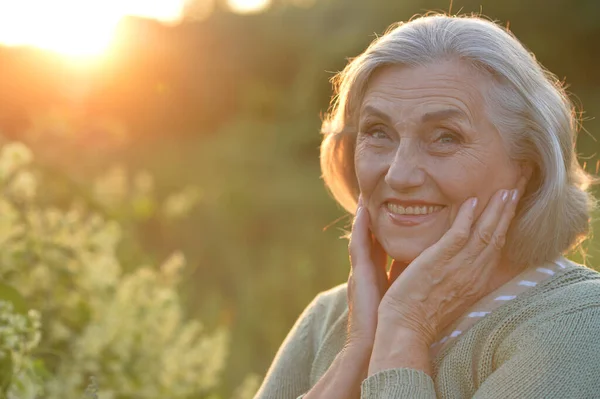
pixel 360 200
pixel 474 202
pixel 504 195
pixel 515 194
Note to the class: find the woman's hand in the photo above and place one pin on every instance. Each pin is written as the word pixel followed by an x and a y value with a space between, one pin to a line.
pixel 367 283
pixel 446 279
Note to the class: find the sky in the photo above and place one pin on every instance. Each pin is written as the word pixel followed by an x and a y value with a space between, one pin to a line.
pixel 86 27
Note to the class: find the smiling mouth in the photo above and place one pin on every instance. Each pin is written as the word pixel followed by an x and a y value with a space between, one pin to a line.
pixel 413 210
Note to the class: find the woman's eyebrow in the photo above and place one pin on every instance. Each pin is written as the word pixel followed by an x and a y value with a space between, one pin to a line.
pixel 426 118
pixel 444 114
pixel 370 110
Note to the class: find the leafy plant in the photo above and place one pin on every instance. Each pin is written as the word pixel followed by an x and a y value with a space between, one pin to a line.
pixel 125 328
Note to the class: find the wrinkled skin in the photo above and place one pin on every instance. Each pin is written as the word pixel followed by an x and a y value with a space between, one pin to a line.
pixel 443 160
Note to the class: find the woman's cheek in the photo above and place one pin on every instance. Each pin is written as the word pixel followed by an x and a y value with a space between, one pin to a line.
pixel 456 178
pixel 369 170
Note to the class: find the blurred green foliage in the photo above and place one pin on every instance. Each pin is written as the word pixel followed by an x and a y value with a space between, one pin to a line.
pixel 231 105
pixel 91 316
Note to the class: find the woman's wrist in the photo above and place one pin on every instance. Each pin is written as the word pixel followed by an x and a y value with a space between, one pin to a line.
pixel 398 347
pixel 390 321
pixel 345 375
pixel 355 358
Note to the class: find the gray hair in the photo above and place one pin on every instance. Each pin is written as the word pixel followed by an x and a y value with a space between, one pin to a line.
pixel 532 112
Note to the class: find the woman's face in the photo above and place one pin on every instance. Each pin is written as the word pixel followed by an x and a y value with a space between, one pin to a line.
pixel 425 145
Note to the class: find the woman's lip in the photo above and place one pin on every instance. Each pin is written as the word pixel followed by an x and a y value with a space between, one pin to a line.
pixel 411 220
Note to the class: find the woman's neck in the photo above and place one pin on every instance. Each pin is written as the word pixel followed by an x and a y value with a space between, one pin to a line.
pixel 504 271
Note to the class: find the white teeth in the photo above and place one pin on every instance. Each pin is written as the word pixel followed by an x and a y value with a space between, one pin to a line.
pixel 410 210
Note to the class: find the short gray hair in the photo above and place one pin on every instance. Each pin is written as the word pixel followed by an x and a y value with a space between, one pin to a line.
pixel 533 114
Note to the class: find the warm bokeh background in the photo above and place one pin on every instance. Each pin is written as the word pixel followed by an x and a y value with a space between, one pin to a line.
pixel 226 106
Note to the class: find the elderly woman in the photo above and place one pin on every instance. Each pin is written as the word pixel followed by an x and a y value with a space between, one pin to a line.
pixel 456 150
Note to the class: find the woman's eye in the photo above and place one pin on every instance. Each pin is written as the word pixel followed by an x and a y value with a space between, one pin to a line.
pixel 448 138
pixel 376 133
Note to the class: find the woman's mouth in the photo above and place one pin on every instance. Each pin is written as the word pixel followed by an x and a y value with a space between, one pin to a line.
pixel 412 215
pixel 413 210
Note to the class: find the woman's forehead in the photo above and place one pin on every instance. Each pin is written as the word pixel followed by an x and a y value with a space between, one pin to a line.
pixel 448 88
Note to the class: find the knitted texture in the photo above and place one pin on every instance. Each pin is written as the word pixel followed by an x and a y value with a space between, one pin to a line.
pixel 543 344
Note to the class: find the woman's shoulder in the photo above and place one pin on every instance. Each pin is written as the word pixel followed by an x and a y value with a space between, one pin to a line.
pixel 563 312
pixel 575 285
pixel 574 290
pixel 331 304
pixel 335 294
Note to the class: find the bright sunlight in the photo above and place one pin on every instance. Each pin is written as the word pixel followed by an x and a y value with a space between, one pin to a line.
pixel 248 6
pixel 79 28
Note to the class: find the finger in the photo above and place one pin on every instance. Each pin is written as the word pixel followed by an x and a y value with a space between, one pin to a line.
pixel 378 254
pixel 349 290
pixel 360 239
pixel 484 231
pixel 380 262
pixel 506 218
pixel 521 185
pixel 458 234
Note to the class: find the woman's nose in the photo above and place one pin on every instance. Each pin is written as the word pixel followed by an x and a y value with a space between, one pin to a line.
pixel 405 172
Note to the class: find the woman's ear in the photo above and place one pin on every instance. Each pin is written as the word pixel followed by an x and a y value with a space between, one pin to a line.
pixel 526 169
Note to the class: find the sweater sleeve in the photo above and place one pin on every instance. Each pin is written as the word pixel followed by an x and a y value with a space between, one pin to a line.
pixel 288 376
pixel 398 383
pixel 558 359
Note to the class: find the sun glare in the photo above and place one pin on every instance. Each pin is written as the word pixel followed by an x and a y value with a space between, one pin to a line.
pixel 248 6
pixel 79 28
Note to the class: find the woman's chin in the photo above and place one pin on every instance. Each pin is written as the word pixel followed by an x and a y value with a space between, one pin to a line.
pixel 406 251
pixel 404 244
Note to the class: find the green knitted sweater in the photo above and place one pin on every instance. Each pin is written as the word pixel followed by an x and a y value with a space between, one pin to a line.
pixel 543 344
